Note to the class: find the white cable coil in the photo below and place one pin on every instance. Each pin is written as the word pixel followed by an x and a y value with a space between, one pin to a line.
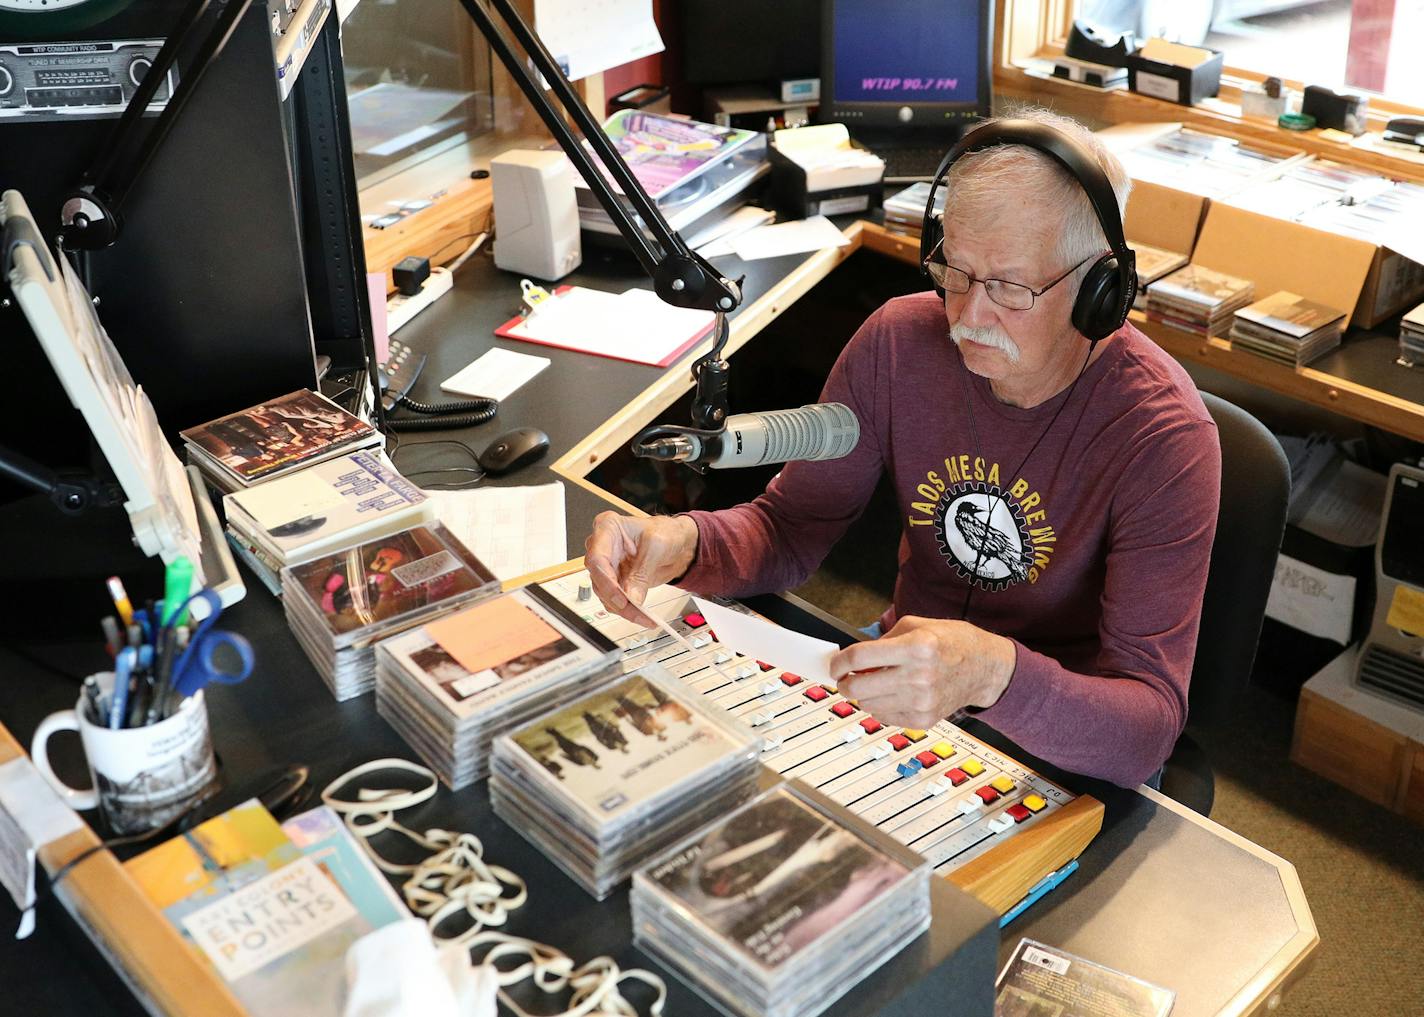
pixel 455 878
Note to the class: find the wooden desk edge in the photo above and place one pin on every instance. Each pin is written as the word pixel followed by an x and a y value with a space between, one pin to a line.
pixel 149 954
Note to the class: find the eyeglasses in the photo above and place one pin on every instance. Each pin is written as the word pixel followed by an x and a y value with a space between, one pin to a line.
pixel 1014 296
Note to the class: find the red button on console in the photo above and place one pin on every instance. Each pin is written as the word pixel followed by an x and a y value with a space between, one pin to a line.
pixel 815 693
pixel 764 665
pixel 871 725
pixel 927 759
pixel 787 678
pixel 956 776
pixel 898 742
pixel 988 794
pixel 843 709
pixel 694 620
pixel 1019 812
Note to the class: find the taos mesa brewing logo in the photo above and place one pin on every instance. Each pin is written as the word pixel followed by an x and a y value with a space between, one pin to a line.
pixel 992 537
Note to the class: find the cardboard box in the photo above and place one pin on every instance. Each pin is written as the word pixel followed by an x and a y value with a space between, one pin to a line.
pixel 1182 74
pixel 1279 255
pixel 1163 217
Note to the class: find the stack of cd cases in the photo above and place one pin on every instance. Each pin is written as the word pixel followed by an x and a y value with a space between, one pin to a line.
pixel 611 779
pixel 781 907
pixel 449 687
pixel 341 604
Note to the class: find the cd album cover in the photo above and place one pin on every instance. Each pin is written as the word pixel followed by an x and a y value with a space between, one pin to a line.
pixel 337 498
pixel 1041 981
pixel 520 639
pixel 389 577
pixel 623 746
pixel 1294 315
pixel 775 876
pixel 1197 284
pixel 664 152
pixel 1153 262
pixel 296 427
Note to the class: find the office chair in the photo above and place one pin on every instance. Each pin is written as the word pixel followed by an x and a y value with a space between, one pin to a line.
pixel 1255 491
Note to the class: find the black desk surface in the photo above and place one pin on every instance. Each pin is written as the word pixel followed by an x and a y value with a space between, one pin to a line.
pixel 1160 893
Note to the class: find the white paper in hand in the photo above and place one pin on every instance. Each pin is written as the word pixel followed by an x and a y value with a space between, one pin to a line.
pixel 762 640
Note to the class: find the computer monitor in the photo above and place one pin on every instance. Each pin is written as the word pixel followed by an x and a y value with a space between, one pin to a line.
pixel 906 64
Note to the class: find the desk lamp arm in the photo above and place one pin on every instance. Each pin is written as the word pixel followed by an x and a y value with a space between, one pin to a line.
pixel 681 276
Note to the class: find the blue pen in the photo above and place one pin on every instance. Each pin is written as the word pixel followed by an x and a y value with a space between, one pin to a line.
pixel 1035 894
pixel 123 667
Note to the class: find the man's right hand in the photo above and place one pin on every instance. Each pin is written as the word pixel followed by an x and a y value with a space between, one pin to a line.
pixel 626 556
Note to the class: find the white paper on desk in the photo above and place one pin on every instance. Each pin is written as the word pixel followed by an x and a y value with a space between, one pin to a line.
pixel 496 375
pixel 1345 506
pixel 513 530
pixel 31 815
pixel 762 640
pixel 1312 600
pixel 814 234
pixel 589 36
pixel 717 239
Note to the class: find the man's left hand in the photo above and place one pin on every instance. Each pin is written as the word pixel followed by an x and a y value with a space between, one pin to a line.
pixel 924 669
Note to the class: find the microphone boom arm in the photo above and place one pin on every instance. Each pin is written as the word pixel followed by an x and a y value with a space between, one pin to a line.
pixel 681 276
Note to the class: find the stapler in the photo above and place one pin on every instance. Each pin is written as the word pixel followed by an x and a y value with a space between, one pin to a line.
pixel 1405 131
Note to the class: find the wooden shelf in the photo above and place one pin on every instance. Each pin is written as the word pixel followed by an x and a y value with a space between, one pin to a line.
pixel 1351 399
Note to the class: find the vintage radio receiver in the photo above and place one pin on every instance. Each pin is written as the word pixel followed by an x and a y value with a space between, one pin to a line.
pixel 76 80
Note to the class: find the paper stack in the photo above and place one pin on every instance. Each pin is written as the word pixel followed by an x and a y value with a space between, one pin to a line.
pixel 451 686
pixel 827 157
pixel 1411 338
pixel 780 908
pixel 1198 299
pixel 275 438
pixel 340 605
pixel 1287 328
pixel 321 509
pixel 613 778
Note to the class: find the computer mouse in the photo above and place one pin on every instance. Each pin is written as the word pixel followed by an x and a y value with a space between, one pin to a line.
pixel 514 449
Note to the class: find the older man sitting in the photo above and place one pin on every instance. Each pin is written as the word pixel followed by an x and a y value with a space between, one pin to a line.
pixel 1058 495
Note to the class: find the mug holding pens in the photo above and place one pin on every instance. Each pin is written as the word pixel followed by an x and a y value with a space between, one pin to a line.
pixel 144 726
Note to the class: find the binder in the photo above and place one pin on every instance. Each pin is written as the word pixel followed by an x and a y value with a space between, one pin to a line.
pixel 636 325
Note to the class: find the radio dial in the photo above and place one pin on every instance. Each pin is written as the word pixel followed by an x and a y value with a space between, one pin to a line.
pixel 138 67
pixel 7 80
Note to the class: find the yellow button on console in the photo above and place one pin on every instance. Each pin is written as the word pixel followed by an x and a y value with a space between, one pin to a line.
pixel 915 735
pixel 1034 803
pixel 942 749
pixel 1002 784
pixel 972 767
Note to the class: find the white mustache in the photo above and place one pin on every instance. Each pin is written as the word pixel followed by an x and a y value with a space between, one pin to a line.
pixel 986 335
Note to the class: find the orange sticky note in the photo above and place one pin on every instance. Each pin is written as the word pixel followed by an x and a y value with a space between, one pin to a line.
pixel 491 633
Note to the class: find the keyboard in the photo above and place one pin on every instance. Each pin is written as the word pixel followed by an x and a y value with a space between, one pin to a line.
pixel 909 164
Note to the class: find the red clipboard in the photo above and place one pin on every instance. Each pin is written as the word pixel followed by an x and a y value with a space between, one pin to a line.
pixel 668 352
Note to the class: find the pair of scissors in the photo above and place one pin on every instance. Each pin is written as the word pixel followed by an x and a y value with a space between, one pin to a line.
pixel 198 666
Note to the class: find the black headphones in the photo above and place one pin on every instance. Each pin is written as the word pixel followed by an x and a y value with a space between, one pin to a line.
pixel 1108 289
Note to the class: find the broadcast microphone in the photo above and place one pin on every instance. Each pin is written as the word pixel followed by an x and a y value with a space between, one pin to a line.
pixel 809 434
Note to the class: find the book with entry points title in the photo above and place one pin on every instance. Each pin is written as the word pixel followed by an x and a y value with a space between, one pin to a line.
pixel 273 908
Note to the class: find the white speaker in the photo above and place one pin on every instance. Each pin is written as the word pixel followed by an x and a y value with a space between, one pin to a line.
pixel 536 221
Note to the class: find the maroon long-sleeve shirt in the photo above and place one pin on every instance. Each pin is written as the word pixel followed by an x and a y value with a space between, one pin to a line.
pixel 1091 556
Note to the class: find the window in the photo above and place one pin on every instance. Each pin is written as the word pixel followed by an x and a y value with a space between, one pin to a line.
pixel 1343 44
pixel 418 82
